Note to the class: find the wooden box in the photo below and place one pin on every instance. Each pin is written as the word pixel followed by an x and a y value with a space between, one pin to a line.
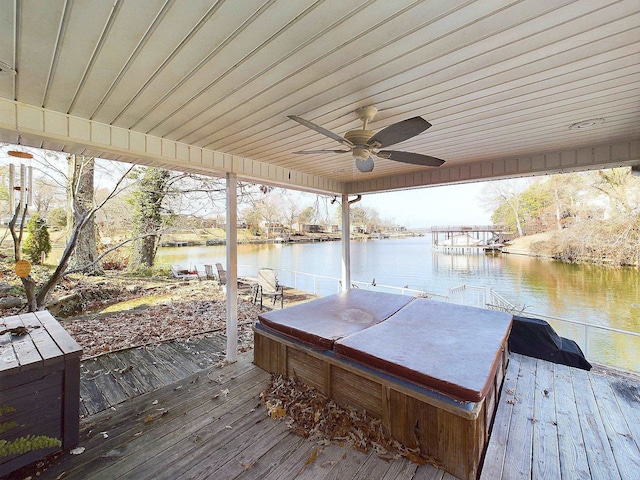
pixel 454 433
pixel 39 388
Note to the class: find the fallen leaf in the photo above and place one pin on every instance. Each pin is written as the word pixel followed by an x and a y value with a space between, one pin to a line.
pixel 277 412
pixel 314 455
pixel 247 466
pixel 151 417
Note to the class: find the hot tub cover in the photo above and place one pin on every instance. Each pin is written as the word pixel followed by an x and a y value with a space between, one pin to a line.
pixel 322 321
pixel 452 349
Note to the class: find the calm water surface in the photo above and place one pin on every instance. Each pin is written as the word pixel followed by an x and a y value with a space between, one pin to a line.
pixel 595 295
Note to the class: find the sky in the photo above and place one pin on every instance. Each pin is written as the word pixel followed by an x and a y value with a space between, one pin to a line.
pixel 425 207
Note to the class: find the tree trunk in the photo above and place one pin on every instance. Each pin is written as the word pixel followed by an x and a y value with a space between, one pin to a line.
pixel 79 204
pixel 556 198
pixel 147 217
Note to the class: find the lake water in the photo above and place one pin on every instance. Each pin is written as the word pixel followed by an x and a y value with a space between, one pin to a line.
pixel 595 295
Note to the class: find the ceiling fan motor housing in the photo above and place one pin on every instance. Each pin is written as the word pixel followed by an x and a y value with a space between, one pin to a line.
pixel 359 138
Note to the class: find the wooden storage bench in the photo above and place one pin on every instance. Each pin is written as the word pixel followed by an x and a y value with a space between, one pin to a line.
pixel 39 385
pixel 411 370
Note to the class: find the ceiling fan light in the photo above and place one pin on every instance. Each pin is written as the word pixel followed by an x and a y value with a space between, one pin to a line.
pixel 365 165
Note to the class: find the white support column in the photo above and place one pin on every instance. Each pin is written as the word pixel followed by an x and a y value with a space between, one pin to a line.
pixel 346 244
pixel 232 268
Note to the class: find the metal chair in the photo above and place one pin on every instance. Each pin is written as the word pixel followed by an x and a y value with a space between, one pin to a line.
pixel 268 286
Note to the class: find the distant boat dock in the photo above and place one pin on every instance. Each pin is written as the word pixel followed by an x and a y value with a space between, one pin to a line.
pixel 467 239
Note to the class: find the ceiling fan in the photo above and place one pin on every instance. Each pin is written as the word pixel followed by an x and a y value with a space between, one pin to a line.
pixel 364 144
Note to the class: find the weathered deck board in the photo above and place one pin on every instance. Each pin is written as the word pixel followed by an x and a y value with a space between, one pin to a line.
pixel 156 371
pixel 573 456
pixel 98 371
pixel 279 454
pixel 546 459
pixel 199 351
pixel 123 376
pixel 114 378
pixel 495 454
pixel 627 394
pixel 518 457
pixel 196 431
pixel 91 396
pixel 602 463
pixel 623 444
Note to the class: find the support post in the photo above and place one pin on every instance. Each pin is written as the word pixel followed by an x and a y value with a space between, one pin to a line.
pixel 346 246
pixel 232 268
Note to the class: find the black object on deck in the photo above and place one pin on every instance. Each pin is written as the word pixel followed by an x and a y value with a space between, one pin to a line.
pixel 536 338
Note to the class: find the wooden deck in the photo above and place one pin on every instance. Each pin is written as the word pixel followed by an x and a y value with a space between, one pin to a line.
pixel 552 422
pixel 108 380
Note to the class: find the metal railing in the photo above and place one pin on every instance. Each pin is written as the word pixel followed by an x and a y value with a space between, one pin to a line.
pixel 596 341
pixel 599 343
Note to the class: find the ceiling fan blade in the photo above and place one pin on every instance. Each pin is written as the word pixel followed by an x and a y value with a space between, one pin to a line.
pixel 399 132
pixel 319 129
pixel 322 151
pixel 408 157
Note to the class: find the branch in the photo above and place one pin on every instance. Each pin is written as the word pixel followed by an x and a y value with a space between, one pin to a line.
pixel 108 251
pixel 17 239
pixel 60 270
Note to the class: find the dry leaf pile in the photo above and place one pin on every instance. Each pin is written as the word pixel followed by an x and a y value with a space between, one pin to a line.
pixel 190 310
pixel 311 414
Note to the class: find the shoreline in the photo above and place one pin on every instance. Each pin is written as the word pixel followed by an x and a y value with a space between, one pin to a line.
pixel 302 238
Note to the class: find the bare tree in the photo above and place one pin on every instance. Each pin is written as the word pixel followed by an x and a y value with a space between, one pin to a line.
pixel 80 201
pixel 505 192
pixel 37 294
pixel 291 207
pixel 619 186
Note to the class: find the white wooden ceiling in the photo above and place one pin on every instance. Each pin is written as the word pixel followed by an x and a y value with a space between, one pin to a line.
pixel 207 85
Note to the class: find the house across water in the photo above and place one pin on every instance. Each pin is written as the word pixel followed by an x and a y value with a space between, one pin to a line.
pixel 467 239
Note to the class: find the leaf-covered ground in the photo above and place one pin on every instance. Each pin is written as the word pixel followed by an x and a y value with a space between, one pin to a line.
pixel 110 314
pixel 183 312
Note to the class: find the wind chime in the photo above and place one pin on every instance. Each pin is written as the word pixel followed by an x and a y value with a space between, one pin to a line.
pixel 25 188
pixel 25 184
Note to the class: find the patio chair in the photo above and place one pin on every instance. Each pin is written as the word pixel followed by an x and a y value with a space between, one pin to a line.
pixel 222 274
pixel 183 273
pixel 208 270
pixel 268 286
pixel 201 272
